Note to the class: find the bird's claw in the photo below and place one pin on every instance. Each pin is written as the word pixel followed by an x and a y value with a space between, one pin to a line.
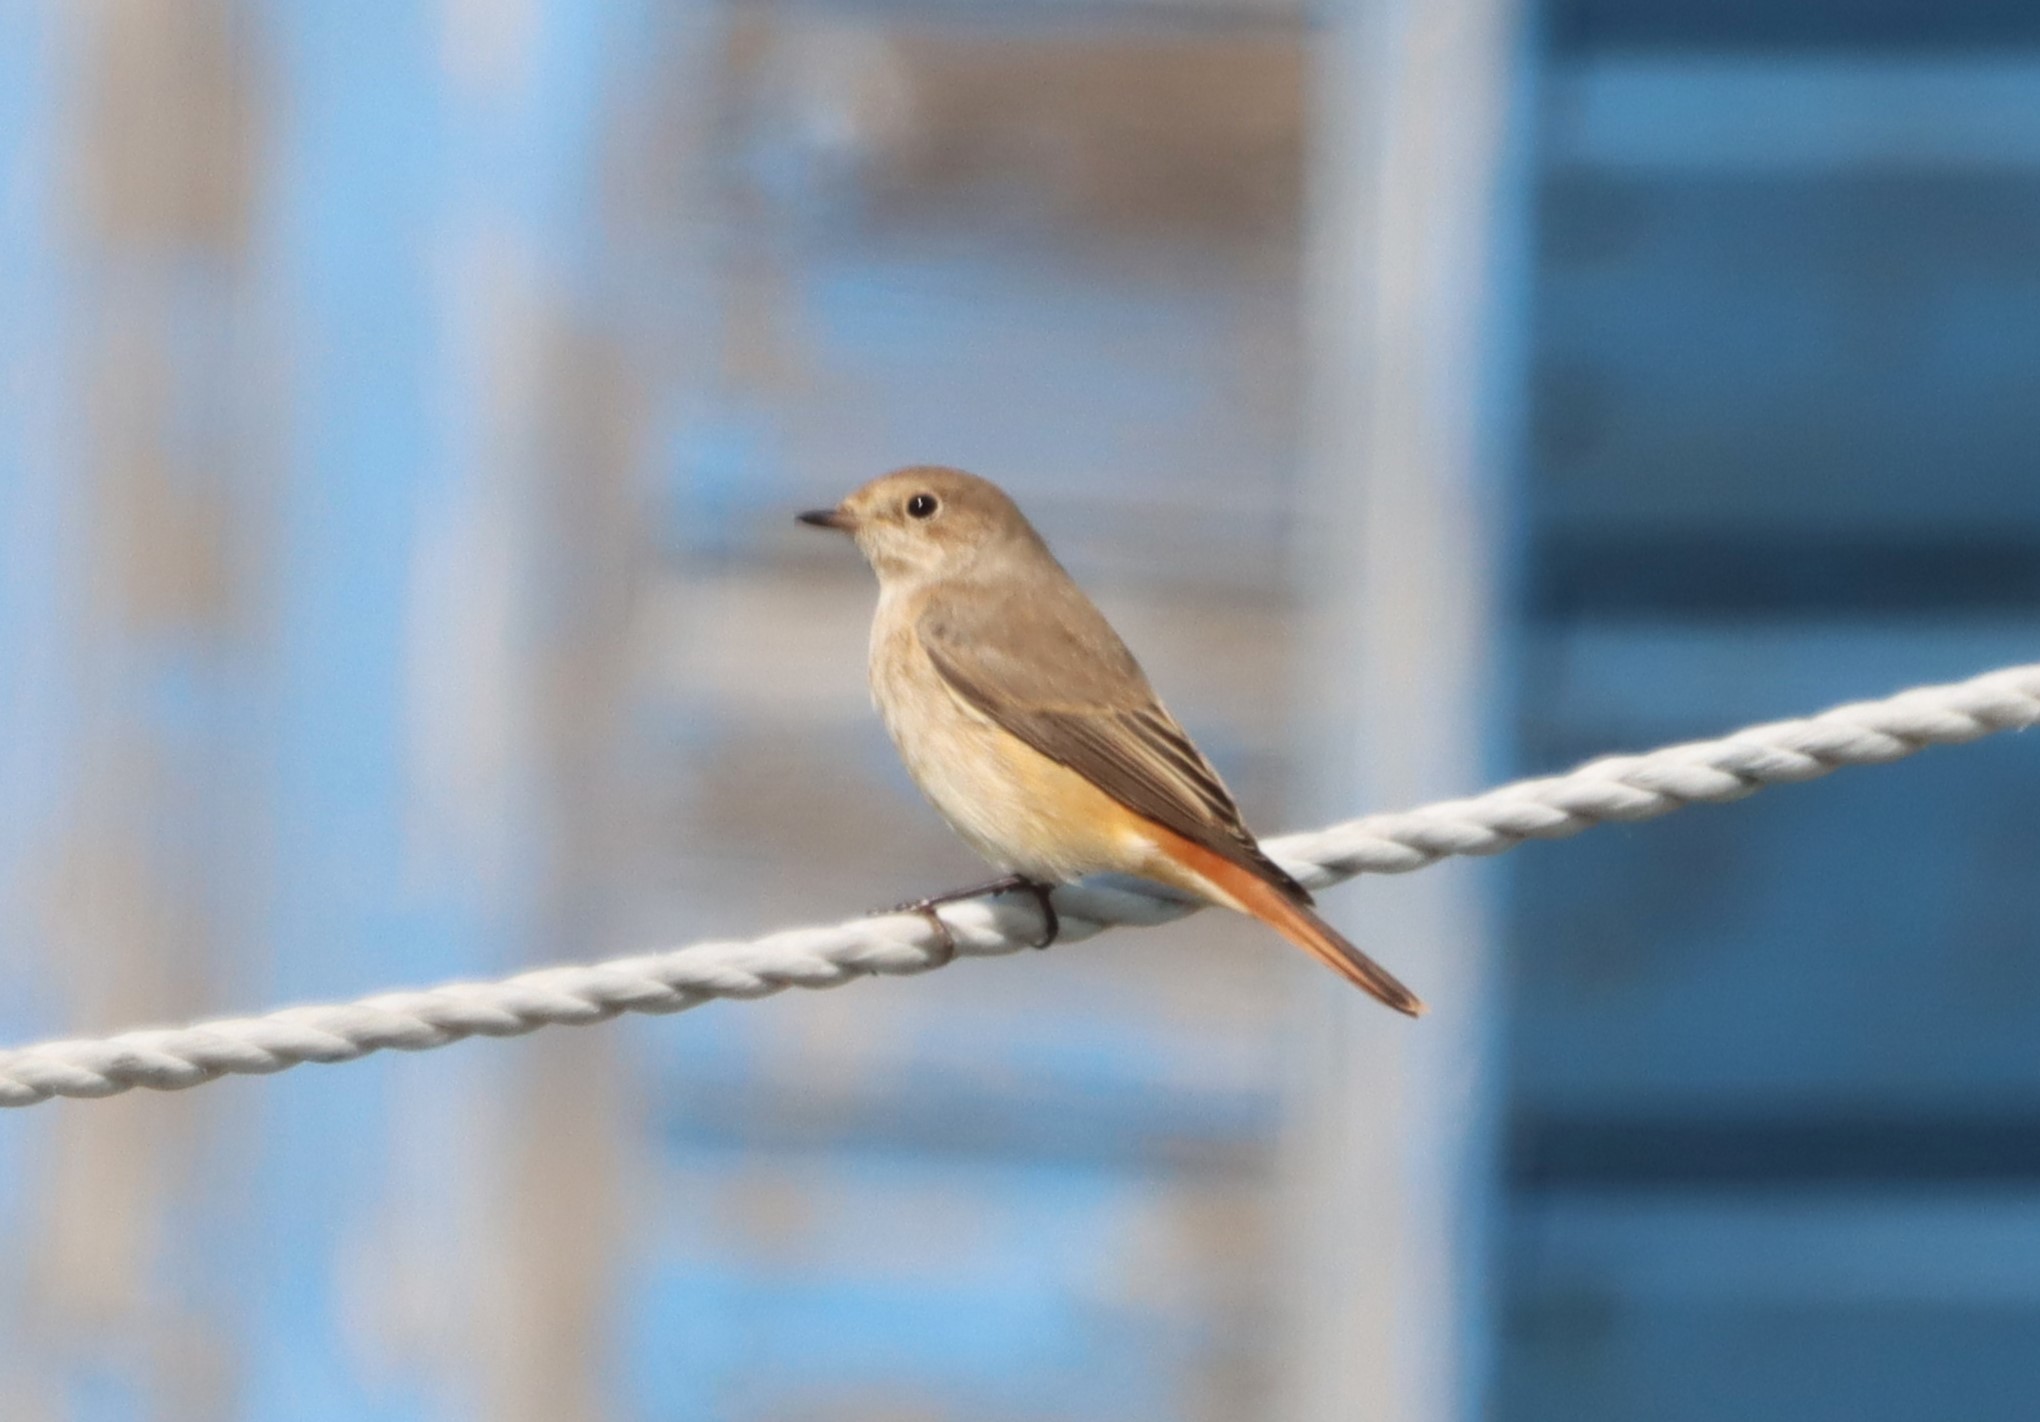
pixel 1051 921
pixel 942 932
pixel 946 940
pixel 1043 897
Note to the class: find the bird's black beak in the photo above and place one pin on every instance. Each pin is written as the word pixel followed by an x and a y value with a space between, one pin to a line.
pixel 827 518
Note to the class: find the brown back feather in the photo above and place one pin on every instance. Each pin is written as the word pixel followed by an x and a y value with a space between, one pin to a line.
pixel 1034 655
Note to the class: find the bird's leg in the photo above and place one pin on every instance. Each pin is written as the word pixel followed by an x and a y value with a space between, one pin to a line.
pixel 926 908
pixel 1044 897
pixel 927 911
pixel 1011 883
pixel 957 896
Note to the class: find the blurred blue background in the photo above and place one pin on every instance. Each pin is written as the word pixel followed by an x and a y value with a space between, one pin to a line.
pixel 402 408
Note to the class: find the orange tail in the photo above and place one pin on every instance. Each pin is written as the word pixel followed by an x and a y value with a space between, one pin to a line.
pixel 1258 898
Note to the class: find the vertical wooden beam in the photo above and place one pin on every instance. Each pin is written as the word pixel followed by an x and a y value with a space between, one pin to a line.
pixel 122 230
pixel 545 481
pixel 1415 299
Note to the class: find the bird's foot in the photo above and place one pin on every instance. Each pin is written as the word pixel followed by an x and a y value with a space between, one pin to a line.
pixel 947 940
pixel 1011 883
pixel 1044 899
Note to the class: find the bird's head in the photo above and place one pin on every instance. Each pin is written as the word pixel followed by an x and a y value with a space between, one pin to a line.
pixel 927 524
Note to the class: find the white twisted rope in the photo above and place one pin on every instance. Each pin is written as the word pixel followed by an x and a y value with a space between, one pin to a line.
pixel 1618 788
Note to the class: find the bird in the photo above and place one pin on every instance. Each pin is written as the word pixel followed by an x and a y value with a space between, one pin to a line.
pixel 1032 729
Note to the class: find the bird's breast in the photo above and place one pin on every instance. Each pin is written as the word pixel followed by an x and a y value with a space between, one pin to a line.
pixel 1025 813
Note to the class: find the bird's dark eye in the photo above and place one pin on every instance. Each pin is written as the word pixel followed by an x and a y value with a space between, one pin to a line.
pixel 923 506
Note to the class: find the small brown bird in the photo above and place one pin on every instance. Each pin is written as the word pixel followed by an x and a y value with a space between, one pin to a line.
pixel 1023 717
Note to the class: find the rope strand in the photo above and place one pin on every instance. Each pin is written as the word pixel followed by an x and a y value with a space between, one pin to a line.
pixel 1613 789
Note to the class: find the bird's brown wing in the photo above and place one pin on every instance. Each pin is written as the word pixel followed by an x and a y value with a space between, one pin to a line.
pixel 1048 668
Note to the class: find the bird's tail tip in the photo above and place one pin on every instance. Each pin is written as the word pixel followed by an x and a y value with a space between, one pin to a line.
pixel 1285 909
pixel 1323 942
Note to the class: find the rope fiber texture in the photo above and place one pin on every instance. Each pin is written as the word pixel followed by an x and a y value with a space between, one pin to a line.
pixel 1614 789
